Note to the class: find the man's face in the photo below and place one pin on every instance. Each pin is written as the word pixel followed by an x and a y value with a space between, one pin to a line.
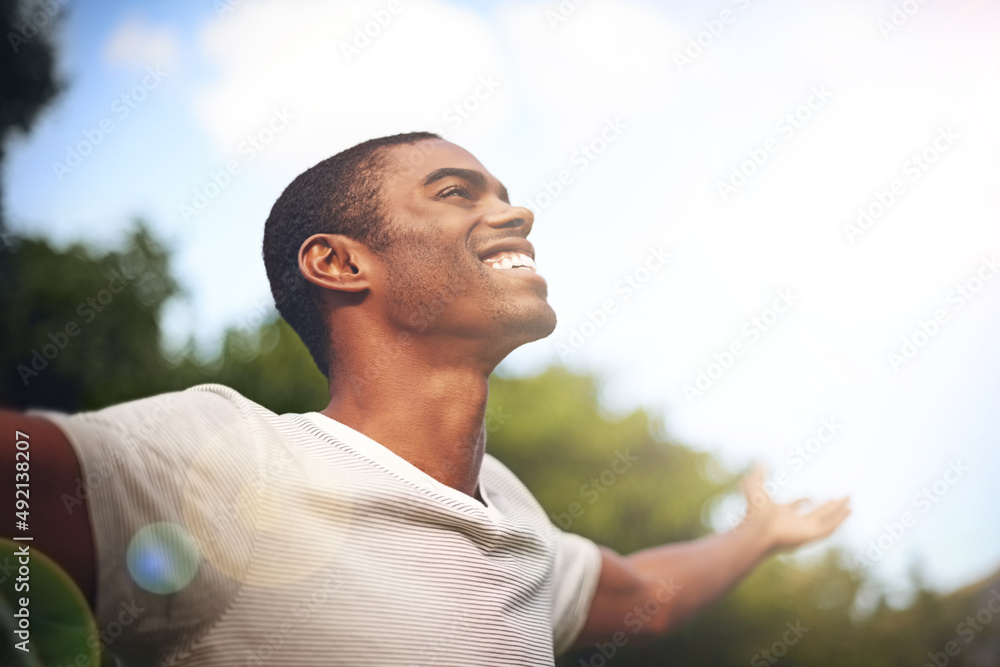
pixel 459 263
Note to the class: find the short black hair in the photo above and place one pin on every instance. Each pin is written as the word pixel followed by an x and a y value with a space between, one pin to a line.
pixel 340 195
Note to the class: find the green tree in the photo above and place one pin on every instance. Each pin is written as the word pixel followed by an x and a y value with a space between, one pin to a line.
pixel 550 432
pixel 27 68
pixel 269 364
pixel 81 328
pixel 81 331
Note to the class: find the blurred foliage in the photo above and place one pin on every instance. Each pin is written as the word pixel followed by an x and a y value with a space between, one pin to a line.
pixel 550 430
pixel 82 331
pixel 27 66
pixel 60 618
pixel 27 63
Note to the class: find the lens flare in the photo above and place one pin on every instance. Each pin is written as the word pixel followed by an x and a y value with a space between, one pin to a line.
pixel 162 558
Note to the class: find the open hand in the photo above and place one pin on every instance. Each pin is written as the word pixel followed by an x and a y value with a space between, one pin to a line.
pixel 788 526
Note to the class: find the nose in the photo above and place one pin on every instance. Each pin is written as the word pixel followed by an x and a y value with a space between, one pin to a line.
pixel 511 217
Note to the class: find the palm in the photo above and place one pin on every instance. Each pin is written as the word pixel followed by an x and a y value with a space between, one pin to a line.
pixel 787 525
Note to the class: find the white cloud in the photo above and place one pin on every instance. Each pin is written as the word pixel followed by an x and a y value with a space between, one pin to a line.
pixel 601 60
pixel 136 44
pixel 410 74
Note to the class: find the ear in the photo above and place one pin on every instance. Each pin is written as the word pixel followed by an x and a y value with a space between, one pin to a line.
pixel 335 262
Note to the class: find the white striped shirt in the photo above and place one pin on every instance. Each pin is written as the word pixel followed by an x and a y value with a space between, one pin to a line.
pixel 295 540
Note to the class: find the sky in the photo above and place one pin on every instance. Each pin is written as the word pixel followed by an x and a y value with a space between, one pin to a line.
pixel 773 223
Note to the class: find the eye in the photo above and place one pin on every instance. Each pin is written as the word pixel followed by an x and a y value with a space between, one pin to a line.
pixel 459 190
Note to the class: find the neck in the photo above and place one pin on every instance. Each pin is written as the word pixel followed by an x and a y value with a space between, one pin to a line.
pixel 426 411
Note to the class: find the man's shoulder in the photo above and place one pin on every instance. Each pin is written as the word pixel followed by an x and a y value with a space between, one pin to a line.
pixel 205 396
pixel 494 470
pixel 220 398
pixel 504 488
pixel 189 418
pixel 197 401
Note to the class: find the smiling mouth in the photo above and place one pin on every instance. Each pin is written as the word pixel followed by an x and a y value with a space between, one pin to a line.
pixel 509 260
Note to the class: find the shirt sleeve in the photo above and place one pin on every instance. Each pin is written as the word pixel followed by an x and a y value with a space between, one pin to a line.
pixel 577 570
pixel 163 479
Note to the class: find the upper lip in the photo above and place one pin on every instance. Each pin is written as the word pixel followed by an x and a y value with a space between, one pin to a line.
pixel 510 244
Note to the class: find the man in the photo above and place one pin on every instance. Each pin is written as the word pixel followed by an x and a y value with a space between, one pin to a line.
pixel 378 531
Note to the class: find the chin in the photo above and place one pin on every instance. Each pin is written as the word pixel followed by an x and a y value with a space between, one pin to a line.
pixel 548 324
pixel 530 326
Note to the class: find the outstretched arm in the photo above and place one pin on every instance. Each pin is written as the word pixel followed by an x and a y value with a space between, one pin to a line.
pixel 652 591
pixel 48 472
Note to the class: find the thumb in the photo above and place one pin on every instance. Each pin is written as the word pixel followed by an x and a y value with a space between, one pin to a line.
pixel 754 481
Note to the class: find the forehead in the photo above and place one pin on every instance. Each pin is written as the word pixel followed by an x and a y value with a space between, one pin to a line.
pixel 412 163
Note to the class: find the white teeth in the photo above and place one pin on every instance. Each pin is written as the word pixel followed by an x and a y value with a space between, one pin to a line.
pixel 510 260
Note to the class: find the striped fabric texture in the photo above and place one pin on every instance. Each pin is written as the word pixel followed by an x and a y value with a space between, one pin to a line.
pixel 230 536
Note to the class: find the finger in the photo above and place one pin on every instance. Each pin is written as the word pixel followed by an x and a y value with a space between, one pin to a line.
pixel 800 503
pixel 834 513
pixel 754 480
pixel 829 507
pixel 833 521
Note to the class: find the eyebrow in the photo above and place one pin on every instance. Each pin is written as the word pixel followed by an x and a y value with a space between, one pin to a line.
pixel 476 178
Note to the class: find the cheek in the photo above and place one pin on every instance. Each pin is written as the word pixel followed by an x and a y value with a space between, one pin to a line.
pixel 423 285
